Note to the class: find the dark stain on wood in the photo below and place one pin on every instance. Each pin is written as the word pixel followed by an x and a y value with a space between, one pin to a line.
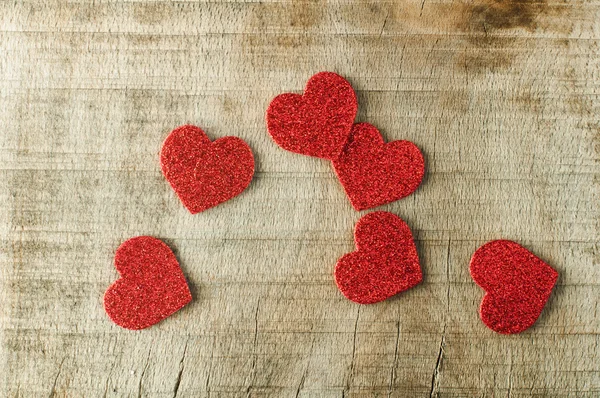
pixel 595 128
pixel 488 25
pixel 294 41
pixel 529 101
pixel 144 40
pixel 579 105
pixel 84 14
pixel 504 14
pixel 292 24
pixel 151 13
pixel 372 15
pixel 455 100
pixel 300 16
pixel 305 15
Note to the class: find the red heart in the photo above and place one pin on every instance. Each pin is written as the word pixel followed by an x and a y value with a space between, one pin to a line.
pixel 374 173
pixel 317 123
pixel 385 262
pixel 203 173
pixel 517 285
pixel 152 286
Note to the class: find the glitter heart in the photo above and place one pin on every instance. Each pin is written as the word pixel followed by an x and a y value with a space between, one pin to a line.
pixel 202 173
pixel 316 123
pixel 517 285
pixel 374 173
pixel 152 286
pixel 385 262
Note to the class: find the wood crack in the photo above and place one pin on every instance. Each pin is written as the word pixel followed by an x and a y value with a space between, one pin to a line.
pixel 395 363
pixel 254 354
pixel 351 373
pixel 108 380
pixel 301 384
pixel 210 366
pixel 53 390
pixel 384 23
pixel 422 6
pixel 143 373
pixel 181 367
pixel 435 378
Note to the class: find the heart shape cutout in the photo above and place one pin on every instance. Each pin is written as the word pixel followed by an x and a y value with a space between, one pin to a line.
pixel 151 288
pixel 202 173
pixel 517 285
pixel 374 173
pixel 385 262
pixel 316 123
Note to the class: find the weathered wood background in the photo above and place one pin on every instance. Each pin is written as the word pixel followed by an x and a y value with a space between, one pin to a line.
pixel 502 97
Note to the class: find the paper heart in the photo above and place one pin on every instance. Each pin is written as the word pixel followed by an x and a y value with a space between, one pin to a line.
pixel 202 173
pixel 316 123
pixel 374 173
pixel 152 286
pixel 517 285
pixel 385 262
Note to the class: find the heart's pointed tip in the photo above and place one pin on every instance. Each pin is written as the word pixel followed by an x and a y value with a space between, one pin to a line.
pixel 195 211
pixel 359 206
pixel 419 276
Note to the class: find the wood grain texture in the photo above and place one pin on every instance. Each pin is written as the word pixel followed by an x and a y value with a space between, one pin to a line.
pixel 502 96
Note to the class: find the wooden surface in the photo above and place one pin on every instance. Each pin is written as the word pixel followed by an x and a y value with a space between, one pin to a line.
pixel 502 97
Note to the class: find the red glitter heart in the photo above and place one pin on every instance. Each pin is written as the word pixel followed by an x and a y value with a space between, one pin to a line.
pixel 152 286
pixel 517 285
pixel 385 262
pixel 203 173
pixel 317 123
pixel 374 173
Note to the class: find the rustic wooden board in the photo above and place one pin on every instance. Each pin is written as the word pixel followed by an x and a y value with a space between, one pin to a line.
pixel 501 96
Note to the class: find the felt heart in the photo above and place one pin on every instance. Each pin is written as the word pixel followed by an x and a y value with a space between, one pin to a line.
pixel 385 262
pixel 152 286
pixel 202 173
pixel 317 123
pixel 517 285
pixel 374 173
